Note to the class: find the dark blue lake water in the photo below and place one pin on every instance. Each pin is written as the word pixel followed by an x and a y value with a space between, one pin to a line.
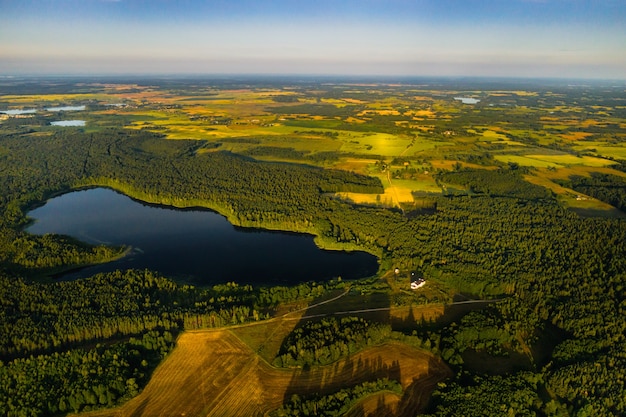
pixel 197 245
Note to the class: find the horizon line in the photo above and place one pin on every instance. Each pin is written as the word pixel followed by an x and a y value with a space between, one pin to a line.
pixel 223 75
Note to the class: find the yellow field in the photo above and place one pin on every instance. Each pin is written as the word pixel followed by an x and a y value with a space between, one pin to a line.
pixel 421 114
pixel 545 182
pixel 52 98
pixel 213 373
pixel 377 144
pixel 397 191
pixel 493 135
pixel 575 135
pixel 392 197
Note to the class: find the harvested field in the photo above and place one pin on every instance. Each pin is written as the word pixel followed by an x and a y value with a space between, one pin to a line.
pixel 378 405
pixel 213 373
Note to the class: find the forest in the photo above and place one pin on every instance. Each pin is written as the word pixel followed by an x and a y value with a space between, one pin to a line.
pixel 552 344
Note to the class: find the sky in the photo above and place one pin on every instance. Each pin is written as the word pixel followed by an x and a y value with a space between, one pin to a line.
pixel 503 38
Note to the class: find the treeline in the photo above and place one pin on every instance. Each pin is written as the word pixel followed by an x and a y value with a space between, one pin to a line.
pixel 80 379
pixel 326 341
pixel 499 183
pixel 605 187
pixel 481 331
pixel 48 362
pixel 23 252
pixel 41 318
pixel 293 154
pixel 336 404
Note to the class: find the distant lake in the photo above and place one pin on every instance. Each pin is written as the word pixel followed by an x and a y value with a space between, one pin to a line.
pixel 467 100
pixel 66 108
pixel 67 123
pixel 196 245
pixel 16 112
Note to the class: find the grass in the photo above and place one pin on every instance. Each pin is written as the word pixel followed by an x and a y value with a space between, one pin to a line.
pixel 602 149
pixel 584 205
pixel 555 161
pixel 383 144
pixel 567 159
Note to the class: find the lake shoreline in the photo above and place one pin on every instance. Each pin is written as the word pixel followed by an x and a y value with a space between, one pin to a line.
pixel 194 242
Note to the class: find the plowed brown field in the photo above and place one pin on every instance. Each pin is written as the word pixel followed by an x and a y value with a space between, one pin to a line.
pixel 213 373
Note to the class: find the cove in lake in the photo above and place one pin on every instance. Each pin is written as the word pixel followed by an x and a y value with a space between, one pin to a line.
pixel 196 245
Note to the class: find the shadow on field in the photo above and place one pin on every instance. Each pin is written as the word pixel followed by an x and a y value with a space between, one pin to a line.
pixel 417 395
pixel 330 379
pixel 368 367
pixel 382 409
pixel 349 372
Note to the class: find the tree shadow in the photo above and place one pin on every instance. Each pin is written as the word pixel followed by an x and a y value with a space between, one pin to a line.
pixel 417 395
pixel 328 379
pixel 357 368
pixel 350 371
pixel 382 409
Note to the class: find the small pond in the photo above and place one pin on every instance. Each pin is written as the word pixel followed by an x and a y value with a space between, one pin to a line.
pixel 196 245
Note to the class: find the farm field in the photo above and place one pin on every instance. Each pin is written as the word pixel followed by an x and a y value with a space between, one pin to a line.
pixel 213 373
pixel 352 128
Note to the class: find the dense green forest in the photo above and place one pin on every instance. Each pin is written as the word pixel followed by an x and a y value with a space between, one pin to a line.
pixel 561 277
pixel 323 342
pixel 110 331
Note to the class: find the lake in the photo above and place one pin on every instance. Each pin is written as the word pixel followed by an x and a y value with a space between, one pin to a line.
pixel 67 123
pixel 467 100
pixel 196 245
pixel 17 112
pixel 67 108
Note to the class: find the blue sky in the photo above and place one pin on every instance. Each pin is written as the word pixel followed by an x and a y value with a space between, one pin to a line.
pixel 521 38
